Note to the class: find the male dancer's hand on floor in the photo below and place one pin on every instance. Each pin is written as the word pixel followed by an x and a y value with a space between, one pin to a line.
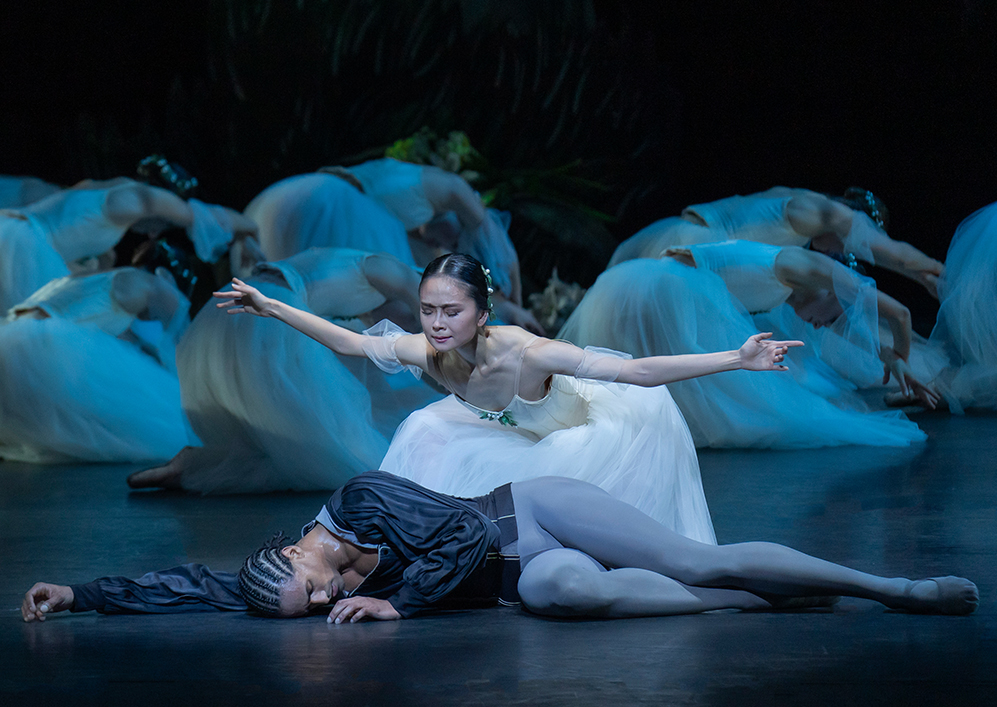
pixel 44 599
pixel 357 608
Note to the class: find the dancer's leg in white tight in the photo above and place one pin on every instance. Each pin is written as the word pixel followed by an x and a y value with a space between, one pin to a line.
pixel 565 582
pixel 554 512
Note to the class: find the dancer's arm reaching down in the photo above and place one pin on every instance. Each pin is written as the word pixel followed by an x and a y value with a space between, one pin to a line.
pixel 903 258
pixel 895 358
pixel 831 225
pixel 758 353
pixel 804 270
pixel 411 350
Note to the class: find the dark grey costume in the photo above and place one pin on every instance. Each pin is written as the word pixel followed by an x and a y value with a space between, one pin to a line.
pixel 432 549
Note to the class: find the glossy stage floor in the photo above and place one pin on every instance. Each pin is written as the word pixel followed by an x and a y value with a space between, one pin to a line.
pixel 919 512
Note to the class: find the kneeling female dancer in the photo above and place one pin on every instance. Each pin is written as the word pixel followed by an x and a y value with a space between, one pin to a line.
pixel 386 548
pixel 522 405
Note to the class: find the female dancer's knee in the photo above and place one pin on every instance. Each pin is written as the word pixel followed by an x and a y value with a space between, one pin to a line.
pixel 562 583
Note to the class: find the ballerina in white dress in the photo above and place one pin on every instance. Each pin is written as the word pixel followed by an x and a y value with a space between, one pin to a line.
pixel 324 211
pixel 416 194
pixel 853 226
pixel 87 371
pixel 69 229
pixel 703 299
pixel 412 212
pixel 965 332
pixel 572 421
pixel 286 413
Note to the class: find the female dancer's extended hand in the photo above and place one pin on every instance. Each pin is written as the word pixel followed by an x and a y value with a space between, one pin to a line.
pixel 243 298
pixel 760 354
pixel 910 386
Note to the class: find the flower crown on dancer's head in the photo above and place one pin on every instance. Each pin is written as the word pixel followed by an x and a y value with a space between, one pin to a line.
pixel 491 291
pixel 864 200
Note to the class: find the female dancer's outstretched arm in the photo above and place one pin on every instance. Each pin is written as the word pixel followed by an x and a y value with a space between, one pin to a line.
pixel 246 299
pixel 758 353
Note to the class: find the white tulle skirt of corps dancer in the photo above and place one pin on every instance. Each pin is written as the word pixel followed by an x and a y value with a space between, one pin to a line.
pixel 28 260
pixel 274 409
pixel 392 397
pixel 320 210
pixel 966 328
pixel 660 307
pixel 629 441
pixel 72 393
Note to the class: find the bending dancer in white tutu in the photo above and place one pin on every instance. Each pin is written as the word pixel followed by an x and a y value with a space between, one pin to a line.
pixel 75 229
pixel 853 226
pixel 702 298
pixel 275 410
pixel 419 195
pixel 87 370
pixel 965 332
pixel 320 211
pixel 522 406
pixel 413 212
pixel 21 191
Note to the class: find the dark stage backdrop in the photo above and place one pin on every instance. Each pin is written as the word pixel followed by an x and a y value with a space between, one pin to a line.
pixel 656 105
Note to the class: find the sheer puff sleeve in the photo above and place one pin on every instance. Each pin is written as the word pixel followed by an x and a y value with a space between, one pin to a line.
pixel 379 345
pixel 600 364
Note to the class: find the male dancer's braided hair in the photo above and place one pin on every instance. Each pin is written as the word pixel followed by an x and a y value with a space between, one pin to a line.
pixel 263 575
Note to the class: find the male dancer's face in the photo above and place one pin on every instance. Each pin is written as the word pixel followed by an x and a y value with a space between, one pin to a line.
pixel 314 585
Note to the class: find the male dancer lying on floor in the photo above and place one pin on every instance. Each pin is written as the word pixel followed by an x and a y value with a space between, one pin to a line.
pixel 386 548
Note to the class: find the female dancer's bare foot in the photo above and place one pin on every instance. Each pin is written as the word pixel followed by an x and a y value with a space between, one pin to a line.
pixel 160 477
pixel 953 596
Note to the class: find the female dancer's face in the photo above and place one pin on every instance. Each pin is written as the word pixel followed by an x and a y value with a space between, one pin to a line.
pixel 820 309
pixel 449 316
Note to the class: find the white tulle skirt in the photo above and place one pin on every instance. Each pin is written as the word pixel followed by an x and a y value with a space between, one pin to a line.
pixel 661 307
pixel 966 328
pixel 27 260
pixel 321 210
pixel 275 410
pixel 633 443
pixel 69 393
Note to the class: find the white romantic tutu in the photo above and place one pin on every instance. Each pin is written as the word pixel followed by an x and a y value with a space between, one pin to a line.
pixel 966 328
pixel 320 210
pixel 274 409
pixel 662 307
pixel 73 393
pixel 392 397
pixel 28 259
pixel 630 441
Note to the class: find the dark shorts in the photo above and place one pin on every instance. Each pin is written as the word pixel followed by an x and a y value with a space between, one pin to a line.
pixel 499 508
